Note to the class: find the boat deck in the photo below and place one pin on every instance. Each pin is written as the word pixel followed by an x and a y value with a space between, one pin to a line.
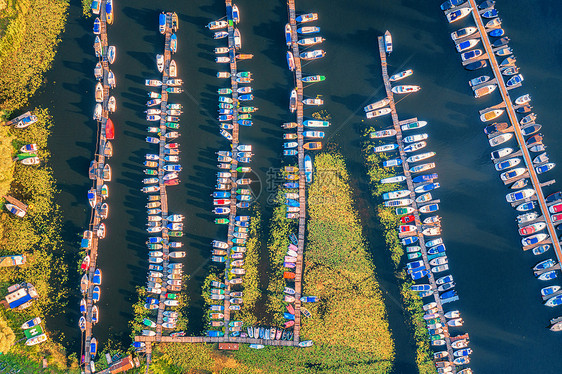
pixel 407 174
pixel 510 110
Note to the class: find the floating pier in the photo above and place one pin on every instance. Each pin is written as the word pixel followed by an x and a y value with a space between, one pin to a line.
pixel 397 126
pixel 524 151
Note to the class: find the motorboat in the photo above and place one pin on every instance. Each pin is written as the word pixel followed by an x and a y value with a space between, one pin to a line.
pixel 491 115
pixel 500 139
pixel 514 80
pixel 485 90
pixel 401 75
pixel 387 42
pixel 531 229
pixel 385 148
pixel 479 80
pixel 451 4
pixel 308 30
pixel 376 105
pixel 496 127
pixel 458 14
pixel 405 89
pixel 509 163
pixel 309 17
pixel 514 173
pixel 519 195
pixel 545 264
pixel 476 65
pixel 544 168
pixel 311 41
pixel 313 55
pixel 415 138
pixel 378 112
pixel 413 125
pixel 464 32
pixel 466 45
pixel 415 146
pixel 523 99
pixel 470 55
pixel 530 129
pixel 534 239
pixel 422 167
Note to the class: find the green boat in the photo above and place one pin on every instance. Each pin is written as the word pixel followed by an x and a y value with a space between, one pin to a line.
pixel 243 169
pixel 32 332
pixel 173 125
pixel 148 323
pixel 313 78
pixel 23 156
pixel 245 116
pixel 175 234
pixel 171 296
pixel 244 74
pixel 154 246
pixel 247 109
pixel 222 221
pixel 151 172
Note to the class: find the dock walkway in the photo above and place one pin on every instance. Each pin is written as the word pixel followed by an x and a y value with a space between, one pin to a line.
pixel 302 179
pixel 95 219
pixel 407 174
pixel 510 110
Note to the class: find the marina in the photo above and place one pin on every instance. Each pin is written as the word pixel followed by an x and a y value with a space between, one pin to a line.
pixel 421 236
pixel 526 199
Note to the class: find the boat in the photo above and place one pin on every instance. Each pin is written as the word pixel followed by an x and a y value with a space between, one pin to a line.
pixel 111 104
pixel 426 187
pixel 174 43
pixel 530 118
pixel 543 157
pixel 313 55
pixel 464 32
pixel 451 4
pixel 466 45
pixel 458 14
pixel 401 75
pixel 313 78
pixel 97 46
pixel 398 202
pixel 237 39
pixel 396 195
pixel 534 140
pixel 38 339
pixel 315 123
pixel 519 195
pixel 549 290
pixel 235 13
pixel 531 229
pixel 501 152
pixel 544 168
pixel 413 125
pixel 109 11
pixel 492 13
pixel 491 115
pixel 514 173
pixel 515 80
pixel 310 41
pixel 500 139
pixel 395 179
pixel 509 163
pixel 524 109
pixel 465 56
pixel 288 37
pixel 405 89
pixel 509 61
pixel 309 17
pixel 523 99
pixel 549 275
pixel 99 92
pixel 534 239
pixel 216 25
pixel 109 129
pixel 96 294
pixel 385 148
pixel 496 127
pixel 429 208
pixel 554 301
pixel 483 91
pixel 545 264
pixel 152 83
pixel 173 69
pixel 97 25
pixel 415 138
pixel 387 42
pixel 377 105
pixel 476 65
pixel 494 23
pixel 496 33
pixel 378 112
pixel 308 30
pixel 111 52
pixel 308 168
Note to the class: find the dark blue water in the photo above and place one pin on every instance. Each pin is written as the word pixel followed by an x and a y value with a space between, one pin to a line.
pixel 499 296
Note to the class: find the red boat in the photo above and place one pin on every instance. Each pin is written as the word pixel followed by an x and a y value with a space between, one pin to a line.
pixel 86 263
pixel 289 324
pixel 109 129
pixel 173 182
pixel 290 309
pixel 407 219
pixel 556 217
pixel 172 145
pixel 407 228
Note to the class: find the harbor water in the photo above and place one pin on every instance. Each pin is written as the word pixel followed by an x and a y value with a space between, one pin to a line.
pixel 499 297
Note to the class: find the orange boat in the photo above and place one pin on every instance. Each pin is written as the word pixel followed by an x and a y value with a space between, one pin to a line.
pixel 245 56
pixel 288 275
pixel 312 146
pixel 109 129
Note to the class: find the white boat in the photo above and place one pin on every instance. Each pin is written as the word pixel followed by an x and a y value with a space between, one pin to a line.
pixel 519 195
pixel 377 105
pixel 401 75
pixel 523 99
pixel 466 45
pixel 420 157
pixel 463 32
pixel 415 138
pixel 396 194
pixel 112 104
pixel 483 91
pixel 413 125
pixel 506 164
pixel 385 148
pixel 388 42
pixel 398 202
pixel 458 14
pixel 513 173
pixel 500 139
pixel 382 134
pixel 501 153
pixel 378 112
pixel 405 89
pixel 111 54
pixel 491 114
pixel 395 179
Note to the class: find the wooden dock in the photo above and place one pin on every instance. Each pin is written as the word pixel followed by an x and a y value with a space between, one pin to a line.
pixel 510 110
pixel 302 178
pixel 95 218
pixel 407 174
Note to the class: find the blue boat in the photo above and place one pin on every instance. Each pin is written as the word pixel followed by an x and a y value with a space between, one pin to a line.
pixel 548 275
pixel 162 23
pixel 214 333
pixel 290 152
pixel 291 202
pixel 526 206
pixel 96 279
pixel 221 194
pixel 544 264
pixel 490 13
pixel 451 4
pixel 420 287
pixel 152 301
pixel 429 208
pixel 173 43
pixel 96 294
pixel 244 122
pixel 245 160
pixel 219 210
pixel 93 347
pixel 554 197
pixel 392 163
pixel 308 168
pixel 154 240
pixel 437 249
pixel 425 178
pixel 496 33
pixel 97 26
pixel 445 279
pixel 427 187
pixel 289 316
pixel 242 205
pixel 448 294
pixel 288 38
pixel 246 97
pixel 554 301
pixel 235 14
pixel 516 79
pixel 409 240
pixel 83 306
pixel 419 274
pixel 291 185
pixel 309 299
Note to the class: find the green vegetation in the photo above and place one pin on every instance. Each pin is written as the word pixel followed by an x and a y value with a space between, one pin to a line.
pixel 7 336
pixel 349 325
pixel 27 48
pixel 389 222
pixel 87 8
